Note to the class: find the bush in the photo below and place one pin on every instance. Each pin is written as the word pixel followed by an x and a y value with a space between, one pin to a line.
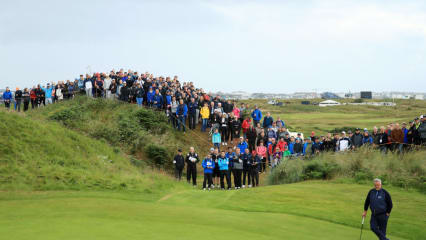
pixel 68 116
pixel 158 155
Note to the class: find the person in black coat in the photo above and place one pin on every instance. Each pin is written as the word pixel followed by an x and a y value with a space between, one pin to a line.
pixel 191 166
pixel 380 203
pixel 179 163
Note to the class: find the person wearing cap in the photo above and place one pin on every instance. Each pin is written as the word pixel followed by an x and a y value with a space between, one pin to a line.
pixel 18 99
pixel 356 139
pixel 380 203
pixel 48 90
pixel 367 139
pixel 179 163
pixel 208 164
pixel 256 115
pixel 191 166
pixel 422 130
pixel 344 143
pixel 7 98
pixel 237 168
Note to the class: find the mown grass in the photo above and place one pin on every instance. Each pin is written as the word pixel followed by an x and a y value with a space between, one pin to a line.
pixel 308 210
pixel 307 118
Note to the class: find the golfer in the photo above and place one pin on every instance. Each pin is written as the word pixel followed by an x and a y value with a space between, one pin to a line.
pixel 380 203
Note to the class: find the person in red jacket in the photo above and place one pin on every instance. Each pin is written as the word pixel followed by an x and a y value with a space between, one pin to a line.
pixel 282 144
pixel 33 97
pixel 246 126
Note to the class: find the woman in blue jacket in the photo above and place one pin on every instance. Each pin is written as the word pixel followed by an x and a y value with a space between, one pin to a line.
pixel 7 98
pixel 223 167
pixel 208 165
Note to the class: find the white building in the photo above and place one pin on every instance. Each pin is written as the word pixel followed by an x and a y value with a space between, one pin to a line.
pixel 327 103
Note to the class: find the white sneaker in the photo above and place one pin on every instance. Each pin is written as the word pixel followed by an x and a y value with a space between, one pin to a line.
pixel 226 144
pixel 204 189
pixel 213 186
pixel 249 186
pixel 236 188
pixel 243 186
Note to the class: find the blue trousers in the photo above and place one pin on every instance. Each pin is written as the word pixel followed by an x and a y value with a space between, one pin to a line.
pixel 182 123
pixel 139 101
pixel 378 225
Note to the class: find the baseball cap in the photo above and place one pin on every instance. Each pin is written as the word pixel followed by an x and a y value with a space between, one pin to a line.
pixel 357 129
pixel 365 130
pixel 343 132
pixel 349 131
pixel 179 150
pixel 211 149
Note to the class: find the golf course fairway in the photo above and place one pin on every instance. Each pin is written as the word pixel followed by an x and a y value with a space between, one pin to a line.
pixel 308 210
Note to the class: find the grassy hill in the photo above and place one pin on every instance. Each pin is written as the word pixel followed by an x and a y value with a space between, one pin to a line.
pixel 40 155
pixel 97 155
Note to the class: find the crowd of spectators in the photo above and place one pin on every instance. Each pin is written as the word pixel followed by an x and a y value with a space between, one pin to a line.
pixel 244 140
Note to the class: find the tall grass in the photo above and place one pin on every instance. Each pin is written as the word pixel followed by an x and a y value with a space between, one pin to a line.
pixel 407 170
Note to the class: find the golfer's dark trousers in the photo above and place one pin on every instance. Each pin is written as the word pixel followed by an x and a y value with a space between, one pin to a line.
pixel 237 177
pixel 207 178
pixel 225 174
pixel 178 173
pixel 378 225
pixel 246 172
pixel 191 171
pixel 191 120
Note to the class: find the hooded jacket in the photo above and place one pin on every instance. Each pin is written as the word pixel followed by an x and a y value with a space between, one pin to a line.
pixel 208 165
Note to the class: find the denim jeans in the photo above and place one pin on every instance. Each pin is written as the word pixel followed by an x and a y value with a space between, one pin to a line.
pixel 181 122
pixel 204 126
pixel 139 101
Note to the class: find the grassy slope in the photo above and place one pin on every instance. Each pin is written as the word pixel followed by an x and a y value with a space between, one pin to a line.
pixel 309 210
pixel 307 118
pixel 35 155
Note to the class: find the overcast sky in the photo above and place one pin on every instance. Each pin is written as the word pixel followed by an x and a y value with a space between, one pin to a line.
pixel 254 46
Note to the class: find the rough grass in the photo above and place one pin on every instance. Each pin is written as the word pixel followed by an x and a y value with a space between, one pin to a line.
pixel 125 126
pixel 406 171
pixel 40 155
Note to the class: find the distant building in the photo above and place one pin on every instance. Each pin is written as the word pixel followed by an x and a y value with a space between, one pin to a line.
pixel 329 95
pixel 366 95
pixel 327 103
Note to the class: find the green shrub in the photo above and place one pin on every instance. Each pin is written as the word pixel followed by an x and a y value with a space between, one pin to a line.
pixel 157 154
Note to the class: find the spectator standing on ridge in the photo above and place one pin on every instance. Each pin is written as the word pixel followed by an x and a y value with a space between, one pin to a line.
pixel 383 140
pixel 247 160
pixel 256 115
pixel 356 139
pixel 179 163
pixel 26 98
pixel 191 166
pixel 18 99
pixel 267 121
pixel 344 143
pixel 397 138
pixel 181 113
pixel 7 98
pixel 192 113
pixel 205 114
